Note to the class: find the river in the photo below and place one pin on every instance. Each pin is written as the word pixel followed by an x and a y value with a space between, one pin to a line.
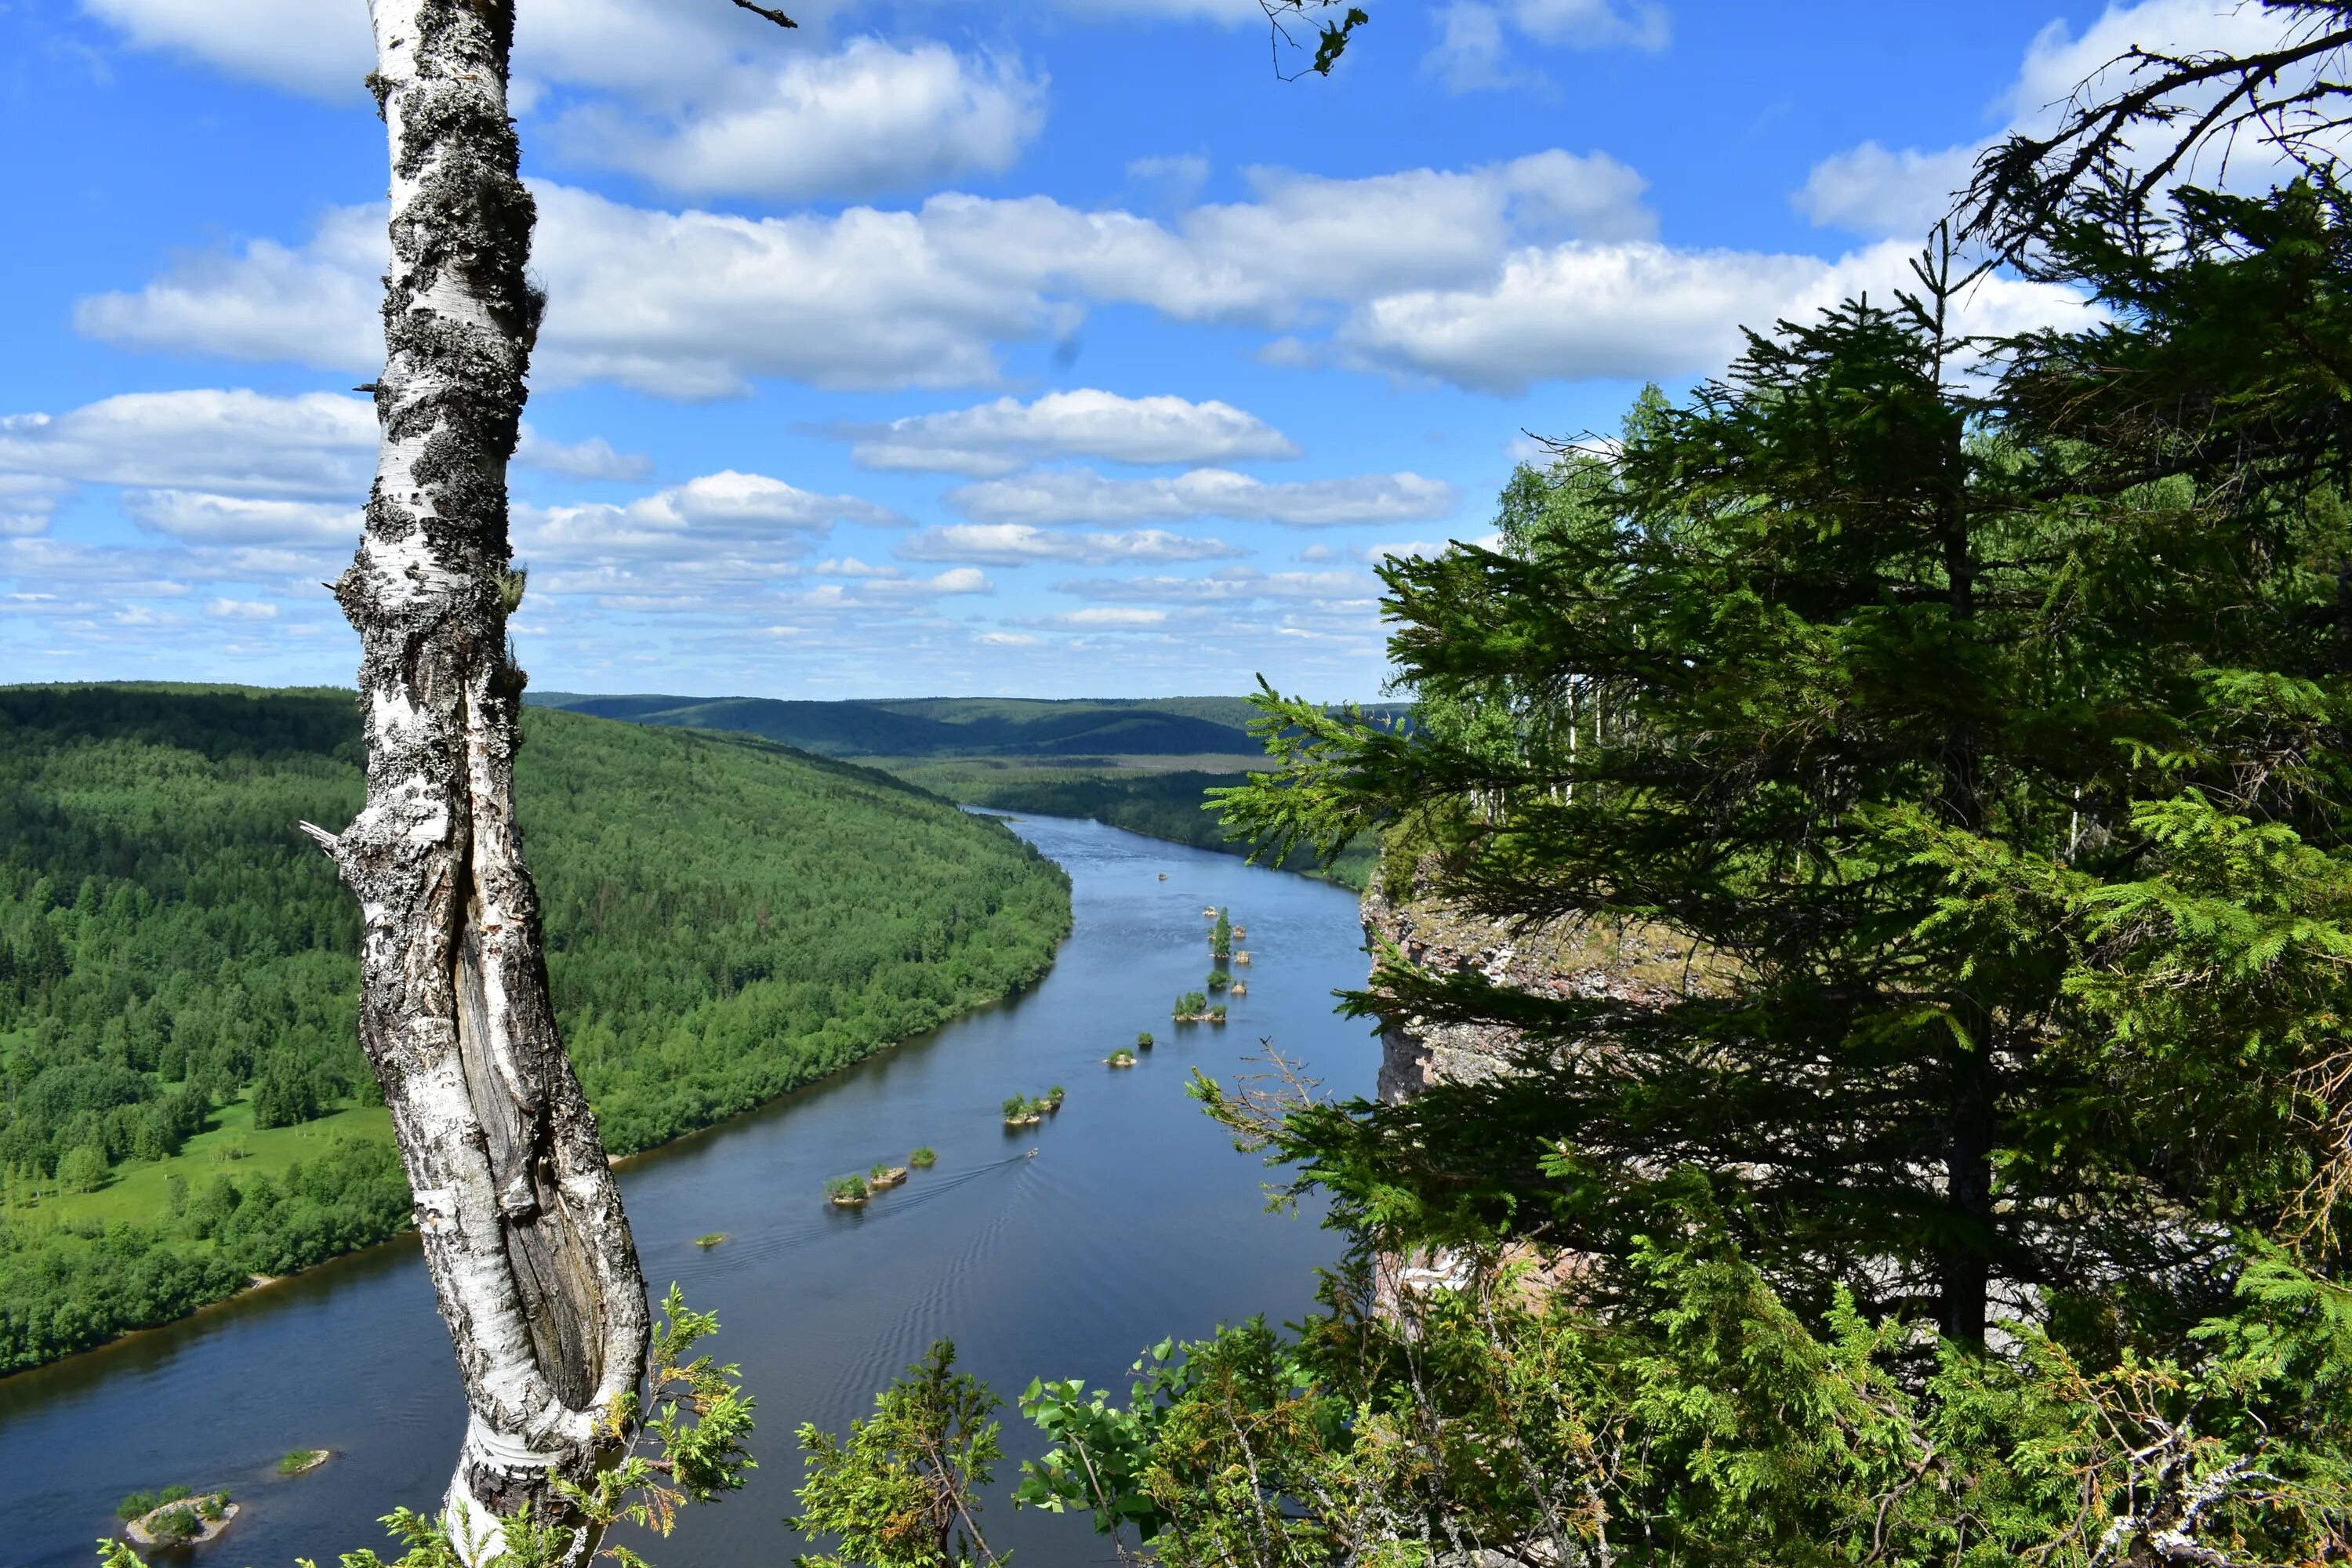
pixel 1136 1220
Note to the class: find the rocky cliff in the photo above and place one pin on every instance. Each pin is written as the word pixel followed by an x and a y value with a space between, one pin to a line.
pixel 1562 959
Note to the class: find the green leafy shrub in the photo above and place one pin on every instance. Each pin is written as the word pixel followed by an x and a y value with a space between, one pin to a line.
pixel 83 1169
pixel 177 1523
pixel 903 1492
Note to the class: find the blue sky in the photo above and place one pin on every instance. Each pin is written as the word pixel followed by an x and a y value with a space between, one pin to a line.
pixel 1057 350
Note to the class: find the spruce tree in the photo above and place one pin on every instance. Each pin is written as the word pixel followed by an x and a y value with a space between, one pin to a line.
pixel 1923 717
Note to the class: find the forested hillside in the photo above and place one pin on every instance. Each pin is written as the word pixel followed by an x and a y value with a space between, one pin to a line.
pixel 726 919
pixel 1145 765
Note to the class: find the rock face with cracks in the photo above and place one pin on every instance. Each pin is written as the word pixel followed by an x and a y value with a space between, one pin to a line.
pixel 530 1253
pixel 1634 963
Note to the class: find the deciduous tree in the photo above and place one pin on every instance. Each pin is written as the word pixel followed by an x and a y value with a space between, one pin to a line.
pixel 530 1252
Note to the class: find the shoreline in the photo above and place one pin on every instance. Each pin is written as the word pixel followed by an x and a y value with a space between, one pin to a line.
pixel 258 1285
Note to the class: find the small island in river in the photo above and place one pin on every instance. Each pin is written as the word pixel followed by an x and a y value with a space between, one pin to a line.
pixel 188 1520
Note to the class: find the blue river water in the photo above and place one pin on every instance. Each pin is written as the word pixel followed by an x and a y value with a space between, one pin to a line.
pixel 1135 1220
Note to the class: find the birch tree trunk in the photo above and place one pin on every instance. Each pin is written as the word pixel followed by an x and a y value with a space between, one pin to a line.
pixel 530 1252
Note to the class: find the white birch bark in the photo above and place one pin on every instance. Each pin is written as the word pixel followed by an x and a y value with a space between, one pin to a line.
pixel 530 1255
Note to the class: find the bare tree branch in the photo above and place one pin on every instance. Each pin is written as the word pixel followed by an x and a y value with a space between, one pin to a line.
pixel 778 17
pixel 2122 149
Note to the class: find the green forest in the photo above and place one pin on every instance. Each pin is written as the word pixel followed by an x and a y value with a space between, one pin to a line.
pixel 181 1093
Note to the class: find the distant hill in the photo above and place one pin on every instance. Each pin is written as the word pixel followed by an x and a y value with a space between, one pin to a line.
pixel 1144 763
pixel 951 726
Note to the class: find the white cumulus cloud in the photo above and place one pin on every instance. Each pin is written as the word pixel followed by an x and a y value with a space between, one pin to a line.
pixel 1870 190
pixel 320 48
pixel 1018 544
pixel 1482 44
pixel 850 566
pixel 700 99
pixel 718 543
pixel 867 119
pixel 1007 435
pixel 1639 311
pixel 1084 497
pixel 318 444
pixel 316 306
pixel 1539 268
pixel 196 518
pixel 214 465
pixel 717 510
pixel 1111 617
pixel 594 459
pixel 873 593
pixel 1419 549
pixel 27 501
pixel 697 304
pixel 1231 585
pixel 1180 10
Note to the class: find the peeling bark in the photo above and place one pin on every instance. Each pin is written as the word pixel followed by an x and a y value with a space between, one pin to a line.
pixel 530 1255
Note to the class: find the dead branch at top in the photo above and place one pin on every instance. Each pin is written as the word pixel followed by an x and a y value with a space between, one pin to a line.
pixel 778 17
pixel 2293 98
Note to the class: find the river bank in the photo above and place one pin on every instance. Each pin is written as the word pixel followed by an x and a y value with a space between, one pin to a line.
pixel 170 1281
